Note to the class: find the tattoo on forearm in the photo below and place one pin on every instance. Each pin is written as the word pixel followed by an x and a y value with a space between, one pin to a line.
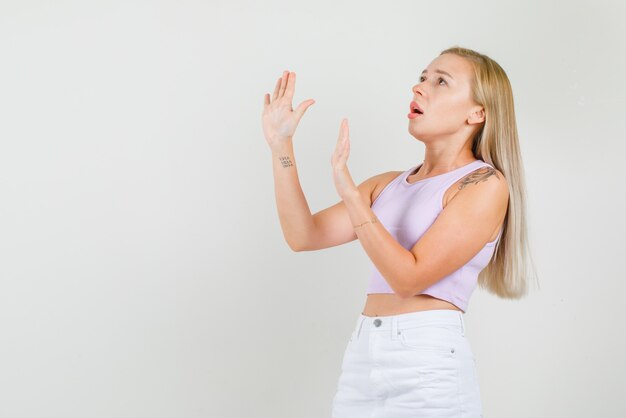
pixel 479 175
pixel 286 161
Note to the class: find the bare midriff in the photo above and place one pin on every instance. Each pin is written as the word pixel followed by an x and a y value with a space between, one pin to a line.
pixel 384 304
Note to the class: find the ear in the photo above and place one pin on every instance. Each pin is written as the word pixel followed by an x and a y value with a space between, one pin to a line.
pixel 477 116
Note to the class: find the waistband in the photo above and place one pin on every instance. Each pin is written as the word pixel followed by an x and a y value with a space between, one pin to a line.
pixel 394 323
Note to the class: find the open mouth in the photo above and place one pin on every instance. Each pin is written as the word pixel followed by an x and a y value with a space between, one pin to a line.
pixel 415 108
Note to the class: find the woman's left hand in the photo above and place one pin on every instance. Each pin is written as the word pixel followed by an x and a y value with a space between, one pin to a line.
pixel 343 181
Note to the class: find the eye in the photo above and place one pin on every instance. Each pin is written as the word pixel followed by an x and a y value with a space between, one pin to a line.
pixel 441 79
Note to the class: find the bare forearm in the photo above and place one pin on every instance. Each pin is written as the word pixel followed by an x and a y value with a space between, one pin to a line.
pixel 295 216
pixel 394 262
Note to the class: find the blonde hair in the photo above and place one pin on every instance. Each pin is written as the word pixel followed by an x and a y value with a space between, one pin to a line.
pixel 497 143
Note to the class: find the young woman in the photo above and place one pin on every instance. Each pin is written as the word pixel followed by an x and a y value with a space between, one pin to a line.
pixel 433 233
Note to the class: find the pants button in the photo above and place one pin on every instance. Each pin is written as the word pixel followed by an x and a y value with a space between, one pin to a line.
pixel 377 322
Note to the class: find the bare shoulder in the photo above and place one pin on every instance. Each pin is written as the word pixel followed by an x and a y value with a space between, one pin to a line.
pixel 484 174
pixel 485 182
pixel 488 177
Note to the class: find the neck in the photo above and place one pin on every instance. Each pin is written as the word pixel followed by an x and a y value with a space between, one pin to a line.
pixel 439 164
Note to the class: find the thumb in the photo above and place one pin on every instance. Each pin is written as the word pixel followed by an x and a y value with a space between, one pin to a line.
pixel 303 107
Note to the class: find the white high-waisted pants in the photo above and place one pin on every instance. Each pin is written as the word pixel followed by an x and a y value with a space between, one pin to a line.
pixel 417 365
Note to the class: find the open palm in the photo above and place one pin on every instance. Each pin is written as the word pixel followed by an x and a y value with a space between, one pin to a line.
pixel 341 176
pixel 279 118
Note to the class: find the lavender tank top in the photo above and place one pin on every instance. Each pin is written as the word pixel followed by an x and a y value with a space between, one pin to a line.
pixel 407 210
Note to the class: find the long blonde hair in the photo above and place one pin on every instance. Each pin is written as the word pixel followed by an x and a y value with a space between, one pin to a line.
pixel 497 143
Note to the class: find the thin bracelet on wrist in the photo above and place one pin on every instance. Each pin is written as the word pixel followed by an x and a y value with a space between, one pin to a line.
pixel 374 220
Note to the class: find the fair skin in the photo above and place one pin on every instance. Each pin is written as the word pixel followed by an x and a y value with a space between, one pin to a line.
pixel 474 207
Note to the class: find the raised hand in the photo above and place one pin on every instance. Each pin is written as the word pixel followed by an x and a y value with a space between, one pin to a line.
pixel 279 119
pixel 343 180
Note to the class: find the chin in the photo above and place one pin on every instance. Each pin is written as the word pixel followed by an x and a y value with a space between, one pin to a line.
pixel 416 133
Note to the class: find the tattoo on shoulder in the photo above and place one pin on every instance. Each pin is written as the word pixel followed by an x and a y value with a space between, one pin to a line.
pixel 482 174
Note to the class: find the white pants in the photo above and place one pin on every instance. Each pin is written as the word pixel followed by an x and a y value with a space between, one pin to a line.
pixel 417 365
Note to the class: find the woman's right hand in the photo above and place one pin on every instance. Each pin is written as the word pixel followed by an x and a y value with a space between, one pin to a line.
pixel 279 118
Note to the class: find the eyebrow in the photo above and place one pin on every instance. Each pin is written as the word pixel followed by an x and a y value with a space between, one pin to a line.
pixel 440 72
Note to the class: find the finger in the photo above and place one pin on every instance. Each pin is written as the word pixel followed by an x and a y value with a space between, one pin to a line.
pixel 339 143
pixel 275 95
pixel 303 107
pixel 341 130
pixel 291 85
pixel 346 152
pixel 266 100
pixel 339 148
pixel 283 83
pixel 346 138
pixel 343 152
pixel 341 136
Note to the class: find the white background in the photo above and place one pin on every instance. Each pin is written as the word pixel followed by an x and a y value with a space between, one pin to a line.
pixel 143 271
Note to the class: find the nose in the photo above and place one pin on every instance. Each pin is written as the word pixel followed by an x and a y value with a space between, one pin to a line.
pixel 418 90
